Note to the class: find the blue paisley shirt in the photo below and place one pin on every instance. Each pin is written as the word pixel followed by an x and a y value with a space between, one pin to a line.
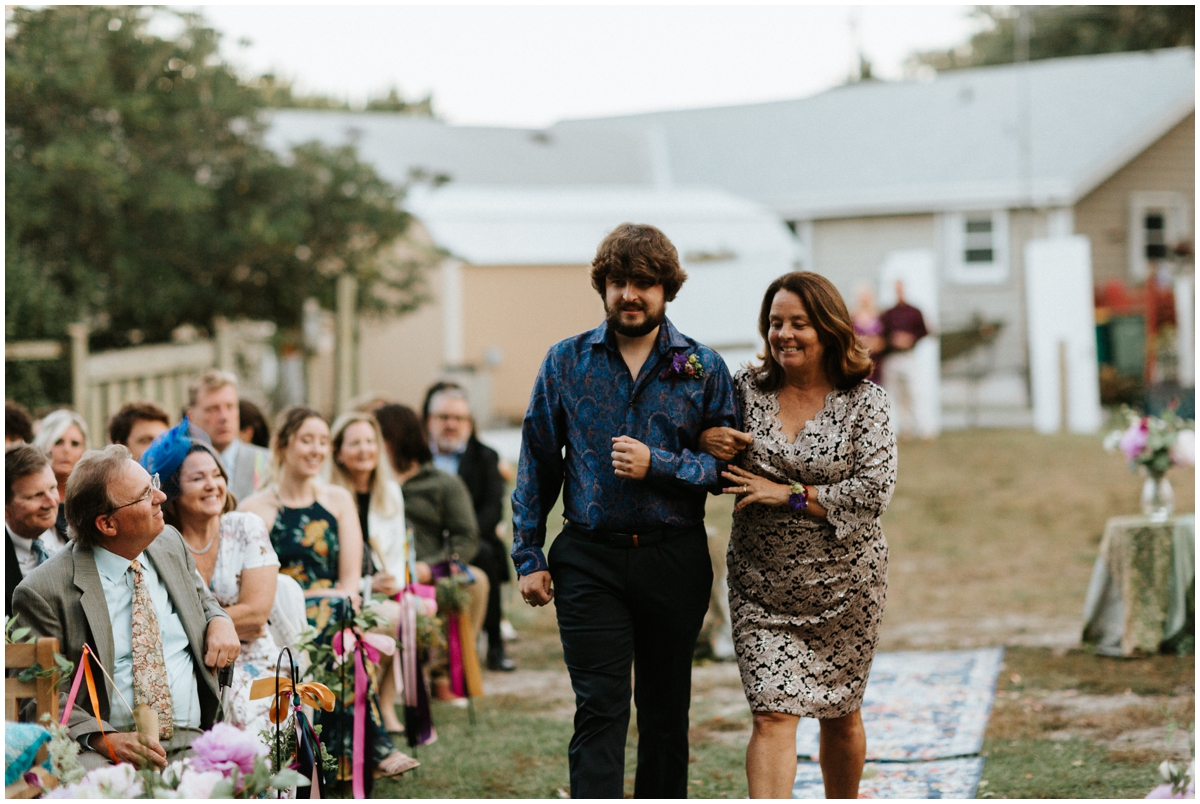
pixel 583 397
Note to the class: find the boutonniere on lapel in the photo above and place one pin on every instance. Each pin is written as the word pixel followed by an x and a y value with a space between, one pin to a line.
pixel 685 367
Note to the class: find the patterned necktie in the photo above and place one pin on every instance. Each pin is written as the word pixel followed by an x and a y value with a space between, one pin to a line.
pixel 149 667
pixel 39 550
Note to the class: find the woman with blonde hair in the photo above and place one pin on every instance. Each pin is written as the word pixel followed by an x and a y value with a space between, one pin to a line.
pixel 356 467
pixel 63 435
pixel 315 532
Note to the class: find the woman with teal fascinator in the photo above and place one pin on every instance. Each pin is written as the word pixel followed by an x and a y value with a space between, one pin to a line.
pixel 232 552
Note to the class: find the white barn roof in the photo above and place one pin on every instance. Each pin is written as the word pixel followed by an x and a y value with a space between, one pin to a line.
pixel 949 143
pixel 868 148
pixel 730 247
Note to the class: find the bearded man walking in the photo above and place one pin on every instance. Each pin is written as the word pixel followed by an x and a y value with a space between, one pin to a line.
pixel 614 421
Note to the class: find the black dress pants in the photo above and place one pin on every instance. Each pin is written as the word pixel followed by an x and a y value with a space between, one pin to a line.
pixel 493 559
pixel 623 606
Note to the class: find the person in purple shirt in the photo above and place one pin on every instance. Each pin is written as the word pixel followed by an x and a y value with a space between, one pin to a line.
pixel 614 421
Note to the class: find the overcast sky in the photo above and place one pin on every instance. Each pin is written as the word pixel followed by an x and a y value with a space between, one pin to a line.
pixel 533 65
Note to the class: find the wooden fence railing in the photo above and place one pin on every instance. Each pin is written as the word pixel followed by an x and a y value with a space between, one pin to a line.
pixel 102 382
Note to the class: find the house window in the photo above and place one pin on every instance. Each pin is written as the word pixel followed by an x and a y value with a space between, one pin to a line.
pixel 1157 220
pixel 1156 235
pixel 976 247
pixel 978 241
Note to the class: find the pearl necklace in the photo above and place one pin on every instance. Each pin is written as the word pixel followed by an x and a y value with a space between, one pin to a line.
pixel 206 547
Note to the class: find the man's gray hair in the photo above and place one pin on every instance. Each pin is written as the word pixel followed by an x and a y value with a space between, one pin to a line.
pixel 21 460
pixel 211 380
pixel 87 491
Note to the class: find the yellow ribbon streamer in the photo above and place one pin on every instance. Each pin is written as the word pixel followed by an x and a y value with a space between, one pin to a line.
pixel 311 693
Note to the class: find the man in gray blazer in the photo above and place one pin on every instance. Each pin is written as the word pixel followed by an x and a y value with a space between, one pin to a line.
pixel 213 407
pixel 86 593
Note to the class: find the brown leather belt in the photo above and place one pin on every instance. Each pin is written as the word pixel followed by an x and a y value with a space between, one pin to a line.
pixel 643 537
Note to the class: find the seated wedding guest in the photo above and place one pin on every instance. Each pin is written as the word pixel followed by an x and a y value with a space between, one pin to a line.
pixel 127 588
pixel 315 532
pixel 30 506
pixel 456 450
pixel 437 505
pixel 18 424
pixel 213 407
pixel 136 425
pixel 232 553
pixel 63 435
pixel 357 468
pixel 254 425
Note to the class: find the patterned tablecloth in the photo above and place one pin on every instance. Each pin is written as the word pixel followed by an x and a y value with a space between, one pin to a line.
pixel 1143 588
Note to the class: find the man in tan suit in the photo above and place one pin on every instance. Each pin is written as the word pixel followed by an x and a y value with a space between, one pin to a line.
pixel 127 587
pixel 213 407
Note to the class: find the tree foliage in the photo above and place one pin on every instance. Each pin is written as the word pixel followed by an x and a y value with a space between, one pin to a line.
pixel 1057 31
pixel 140 195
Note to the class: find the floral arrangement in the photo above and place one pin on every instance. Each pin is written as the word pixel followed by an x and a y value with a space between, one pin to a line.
pixel 1155 443
pixel 683 367
pixel 1180 780
pixel 228 763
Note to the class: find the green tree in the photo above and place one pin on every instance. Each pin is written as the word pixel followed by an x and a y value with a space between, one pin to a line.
pixel 1057 31
pixel 140 196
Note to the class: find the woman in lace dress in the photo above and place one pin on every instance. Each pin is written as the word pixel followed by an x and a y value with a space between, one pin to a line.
pixel 807 557
pixel 233 555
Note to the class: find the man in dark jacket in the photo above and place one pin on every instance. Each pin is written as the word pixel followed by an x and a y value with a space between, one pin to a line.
pixel 457 450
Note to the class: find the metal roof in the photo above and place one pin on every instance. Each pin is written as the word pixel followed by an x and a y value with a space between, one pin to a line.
pixel 948 143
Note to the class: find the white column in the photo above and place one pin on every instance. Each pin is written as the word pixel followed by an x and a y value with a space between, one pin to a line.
pixel 1185 328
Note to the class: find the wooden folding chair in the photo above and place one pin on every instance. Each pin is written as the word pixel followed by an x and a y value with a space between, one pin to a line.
pixel 44 690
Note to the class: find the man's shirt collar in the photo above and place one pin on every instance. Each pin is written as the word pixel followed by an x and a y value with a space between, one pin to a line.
pixel 112 566
pixel 668 337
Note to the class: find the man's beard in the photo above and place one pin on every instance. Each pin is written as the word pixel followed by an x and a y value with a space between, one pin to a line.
pixel 449 446
pixel 638 330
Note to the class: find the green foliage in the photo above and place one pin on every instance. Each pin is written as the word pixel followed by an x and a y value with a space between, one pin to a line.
pixel 1057 31
pixel 452 595
pixel 279 94
pixel 140 195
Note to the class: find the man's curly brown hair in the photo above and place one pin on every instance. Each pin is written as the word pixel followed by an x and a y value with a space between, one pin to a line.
pixel 639 252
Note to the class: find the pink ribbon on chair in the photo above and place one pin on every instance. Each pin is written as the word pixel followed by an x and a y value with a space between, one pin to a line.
pixel 360 719
pixel 70 705
pixel 458 683
pixel 374 644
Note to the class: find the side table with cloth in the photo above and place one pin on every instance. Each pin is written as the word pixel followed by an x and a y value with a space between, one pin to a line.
pixel 1143 585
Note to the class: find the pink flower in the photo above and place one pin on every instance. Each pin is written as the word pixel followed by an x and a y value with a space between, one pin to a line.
pixel 1183 453
pixel 1134 440
pixel 225 747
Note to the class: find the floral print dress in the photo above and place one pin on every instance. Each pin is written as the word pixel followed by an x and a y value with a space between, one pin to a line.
pixel 306 540
pixel 806 595
pixel 245 545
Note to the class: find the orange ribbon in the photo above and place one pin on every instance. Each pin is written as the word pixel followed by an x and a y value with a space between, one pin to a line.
pixel 91 685
pixel 311 693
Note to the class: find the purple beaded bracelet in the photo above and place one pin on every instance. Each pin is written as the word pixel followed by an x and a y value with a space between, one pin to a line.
pixel 798 499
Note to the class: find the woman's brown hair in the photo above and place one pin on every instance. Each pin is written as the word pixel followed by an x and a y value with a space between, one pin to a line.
pixel 847 361
pixel 289 420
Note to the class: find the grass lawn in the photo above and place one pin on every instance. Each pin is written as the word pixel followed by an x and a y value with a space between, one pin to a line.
pixel 992 535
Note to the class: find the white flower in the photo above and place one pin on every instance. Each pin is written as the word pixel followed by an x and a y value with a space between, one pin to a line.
pixel 111 781
pixel 1183 453
pixel 198 784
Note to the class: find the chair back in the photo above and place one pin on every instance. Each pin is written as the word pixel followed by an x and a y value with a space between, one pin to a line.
pixel 288 618
pixel 21 656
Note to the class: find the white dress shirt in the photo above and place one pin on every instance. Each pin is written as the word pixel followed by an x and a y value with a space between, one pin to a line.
pixel 23 547
pixel 117 582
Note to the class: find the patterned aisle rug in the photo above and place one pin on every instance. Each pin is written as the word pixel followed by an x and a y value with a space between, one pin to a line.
pixel 922 705
pixel 938 778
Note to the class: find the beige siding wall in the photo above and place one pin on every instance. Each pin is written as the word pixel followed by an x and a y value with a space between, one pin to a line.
pixel 521 311
pixel 850 250
pixel 1103 215
pixel 399 357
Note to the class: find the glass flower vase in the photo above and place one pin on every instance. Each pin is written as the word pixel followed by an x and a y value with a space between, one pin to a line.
pixel 1158 498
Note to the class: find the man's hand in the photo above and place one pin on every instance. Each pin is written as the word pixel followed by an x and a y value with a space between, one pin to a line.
pixel 536 588
pixel 133 748
pixel 723 443
pixel 384 583
pixel 424 573
pixel 630 458
pixel 221 643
